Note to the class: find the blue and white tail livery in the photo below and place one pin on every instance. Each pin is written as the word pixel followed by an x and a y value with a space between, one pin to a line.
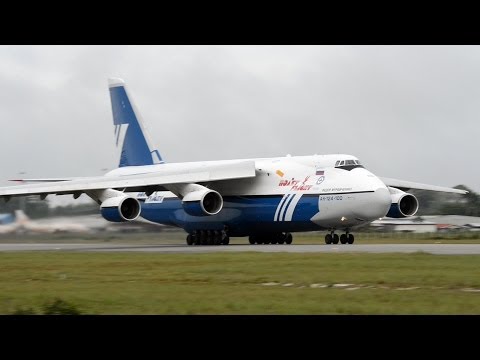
pixel 130 134
pixel 266 199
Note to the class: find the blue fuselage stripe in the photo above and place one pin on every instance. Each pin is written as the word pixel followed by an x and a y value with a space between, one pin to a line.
pixel 286 207
pixel 242 215
pixel 282 206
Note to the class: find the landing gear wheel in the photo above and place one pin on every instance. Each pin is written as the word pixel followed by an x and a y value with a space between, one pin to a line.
pixel 196 237
pixel 217 237
pixel 343 239
pixel 335 239
pixel 328 239
pixel 226 240
pixel 288 239
pixel 274 240
pixel 351 239
pixel 210 239
pixel 189 239
pixel 203 237
pixel 251 240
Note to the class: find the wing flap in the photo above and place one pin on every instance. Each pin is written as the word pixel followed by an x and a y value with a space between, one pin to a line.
pixel 402 184
pixel 205 173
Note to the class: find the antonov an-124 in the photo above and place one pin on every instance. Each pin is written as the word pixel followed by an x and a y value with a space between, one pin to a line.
pixel 264 199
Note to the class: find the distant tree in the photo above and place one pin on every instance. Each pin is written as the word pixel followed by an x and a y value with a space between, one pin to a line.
pixel 468 204
pixel 36 208
pixel 31 205
pixel 438 203
pixel 72 210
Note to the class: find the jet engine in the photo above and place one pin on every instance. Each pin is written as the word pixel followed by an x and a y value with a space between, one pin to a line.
pixel 202 202
pixel 403 204
pixel 120 209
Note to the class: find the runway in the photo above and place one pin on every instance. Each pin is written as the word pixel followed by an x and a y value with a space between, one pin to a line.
pixel 440 249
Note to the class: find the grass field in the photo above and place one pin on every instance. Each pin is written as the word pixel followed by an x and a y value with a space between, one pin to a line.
pixel 240 283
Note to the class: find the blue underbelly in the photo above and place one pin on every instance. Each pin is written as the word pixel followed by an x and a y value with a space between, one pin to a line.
pixel 242 215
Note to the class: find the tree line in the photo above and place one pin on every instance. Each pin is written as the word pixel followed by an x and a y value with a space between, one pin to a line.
pixel 438 203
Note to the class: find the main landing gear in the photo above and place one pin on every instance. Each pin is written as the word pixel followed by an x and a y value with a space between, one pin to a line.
pixel 281 238
pixel 346 238
pixel 208 237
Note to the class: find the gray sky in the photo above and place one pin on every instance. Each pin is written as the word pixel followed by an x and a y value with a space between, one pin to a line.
pixel 408 112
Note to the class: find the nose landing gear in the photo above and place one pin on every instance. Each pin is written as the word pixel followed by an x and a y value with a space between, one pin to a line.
pixel 346 238
pixel 331 238
pixel 350 239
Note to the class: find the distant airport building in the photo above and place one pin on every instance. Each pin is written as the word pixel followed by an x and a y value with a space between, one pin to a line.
pixel 428 224
pixel 404 225
pixel 458 220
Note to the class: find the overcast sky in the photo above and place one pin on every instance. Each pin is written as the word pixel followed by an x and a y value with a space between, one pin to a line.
pixel 408 112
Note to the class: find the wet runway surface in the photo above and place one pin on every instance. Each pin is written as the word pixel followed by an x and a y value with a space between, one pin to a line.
pixel 445 249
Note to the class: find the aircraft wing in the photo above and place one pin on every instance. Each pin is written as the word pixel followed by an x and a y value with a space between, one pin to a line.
pixel 405 185
pixel 138 182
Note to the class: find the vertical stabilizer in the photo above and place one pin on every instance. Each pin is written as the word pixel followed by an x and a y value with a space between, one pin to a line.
pixel 130 134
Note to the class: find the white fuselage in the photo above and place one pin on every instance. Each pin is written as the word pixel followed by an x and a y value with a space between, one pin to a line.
pixel 347 196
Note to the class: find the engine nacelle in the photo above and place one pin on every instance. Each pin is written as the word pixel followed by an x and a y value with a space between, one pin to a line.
pixel 120 209
pixel 403 204
pixel 202 202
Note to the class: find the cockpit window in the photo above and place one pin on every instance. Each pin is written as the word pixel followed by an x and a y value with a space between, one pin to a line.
pixel 348 164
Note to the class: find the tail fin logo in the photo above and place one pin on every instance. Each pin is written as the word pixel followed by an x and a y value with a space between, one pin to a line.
pixel 120 132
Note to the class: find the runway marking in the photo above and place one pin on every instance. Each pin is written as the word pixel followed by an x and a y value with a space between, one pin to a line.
pixel 342 285
pixel 407 288
pixel 471 290
pixel 353 287
pixel 316 286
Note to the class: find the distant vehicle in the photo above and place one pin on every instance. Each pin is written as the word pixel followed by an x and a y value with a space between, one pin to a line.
pixel 9 228
pixel 24 223
pixel 265 199
pixel 6 219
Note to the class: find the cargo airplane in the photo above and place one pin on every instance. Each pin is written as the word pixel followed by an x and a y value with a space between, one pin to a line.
pixel 266 199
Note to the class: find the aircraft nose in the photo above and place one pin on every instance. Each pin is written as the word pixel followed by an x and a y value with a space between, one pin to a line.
pixel 375 206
